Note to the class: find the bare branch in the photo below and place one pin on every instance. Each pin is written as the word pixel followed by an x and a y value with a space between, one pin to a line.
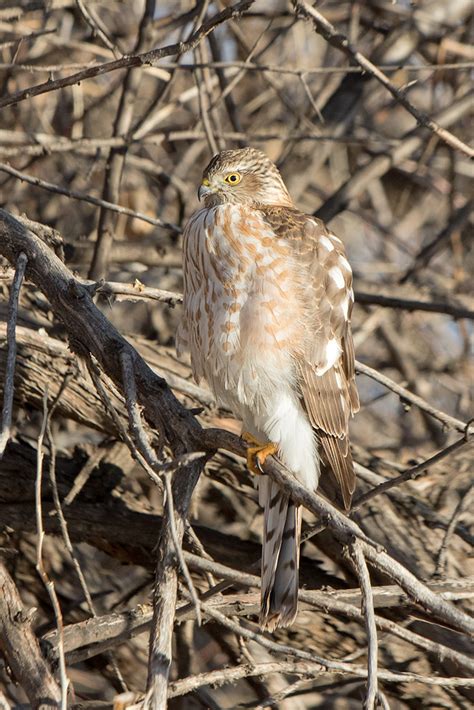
pixel 116 159
pixel 337 39
pixel 90 329
pixel 146 58
pixel 48 583
pixel 7 408
pixel 407 396
pixel 424 256
pixel 370 625
pixel 21 648
pixel 379 165
pixel 329 665
pixel 73 194
pixel 110 154
pixel 411 473
pixel 407 304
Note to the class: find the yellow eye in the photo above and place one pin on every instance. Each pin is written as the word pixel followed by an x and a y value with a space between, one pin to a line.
pixel 233 178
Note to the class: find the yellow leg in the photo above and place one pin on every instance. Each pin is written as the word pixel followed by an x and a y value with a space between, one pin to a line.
pixel 257 454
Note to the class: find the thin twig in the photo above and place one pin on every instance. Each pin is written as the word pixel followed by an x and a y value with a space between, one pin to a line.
pixel 440 242
pixel 277 697
pixel 165 593
pixel 97 201
pixel 330 665
pixel 94 636
pixel 407 396
pixel 63 523
pixel 48 583
pixel 461 507
pixel 115 163
pixel 95 334
pixel 232 674
pixel 178 549
pixel 410 474
pixel 95 376
pixel 134 292
pixel 360 566
pixel 146 58
pixel 166 578
pixel 407 304
pixel 8 387
pixel 410 142
pixel 344 529
pixel 272 68
pixel 37 144
pixel 138 291
pixel 338 40
pixel 97 26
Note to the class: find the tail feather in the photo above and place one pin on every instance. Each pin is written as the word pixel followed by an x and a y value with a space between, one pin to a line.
pixel 280 556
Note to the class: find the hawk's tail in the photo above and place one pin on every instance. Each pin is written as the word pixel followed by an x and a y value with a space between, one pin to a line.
pixel 280 556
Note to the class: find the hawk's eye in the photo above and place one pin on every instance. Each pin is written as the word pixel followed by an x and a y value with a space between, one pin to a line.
pixel 232 178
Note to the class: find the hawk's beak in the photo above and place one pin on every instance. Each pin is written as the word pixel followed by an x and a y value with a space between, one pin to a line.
pixel 204 189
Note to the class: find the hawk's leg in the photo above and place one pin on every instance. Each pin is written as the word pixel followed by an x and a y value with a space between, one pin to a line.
pixel 258 453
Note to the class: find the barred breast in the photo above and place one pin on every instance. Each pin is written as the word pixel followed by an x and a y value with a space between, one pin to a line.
pixel 243 306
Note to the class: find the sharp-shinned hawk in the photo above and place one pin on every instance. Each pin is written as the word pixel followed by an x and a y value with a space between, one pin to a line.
pixel 267 307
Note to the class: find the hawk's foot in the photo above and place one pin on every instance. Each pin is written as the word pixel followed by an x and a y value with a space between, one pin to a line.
pixel 257 453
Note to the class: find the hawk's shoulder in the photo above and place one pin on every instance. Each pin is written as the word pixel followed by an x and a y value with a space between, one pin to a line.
pixel 291 223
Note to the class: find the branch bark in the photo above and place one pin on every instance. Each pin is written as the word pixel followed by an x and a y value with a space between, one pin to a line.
pixel 21 649
pixel 8 388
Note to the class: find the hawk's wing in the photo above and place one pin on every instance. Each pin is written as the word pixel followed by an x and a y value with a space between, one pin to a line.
pixel 325 362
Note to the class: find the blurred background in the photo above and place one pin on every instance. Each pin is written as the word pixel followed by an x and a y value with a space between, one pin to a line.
pixel 395 193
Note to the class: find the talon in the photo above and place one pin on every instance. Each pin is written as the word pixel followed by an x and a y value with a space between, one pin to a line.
pixel 258 453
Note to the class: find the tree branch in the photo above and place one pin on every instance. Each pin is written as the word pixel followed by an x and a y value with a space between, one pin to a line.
pixel 338 40
pixel 146 58
pixel 21 649
pixel 7 409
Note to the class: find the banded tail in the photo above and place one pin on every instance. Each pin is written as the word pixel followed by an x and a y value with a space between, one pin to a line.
pixel 280 556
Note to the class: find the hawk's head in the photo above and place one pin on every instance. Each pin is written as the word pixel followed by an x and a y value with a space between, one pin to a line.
pixel 244 176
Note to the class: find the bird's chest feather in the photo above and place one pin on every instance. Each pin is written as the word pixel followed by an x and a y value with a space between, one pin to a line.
pixel 242 301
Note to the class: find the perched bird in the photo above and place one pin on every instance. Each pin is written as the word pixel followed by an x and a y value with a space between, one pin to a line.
pixel 267 307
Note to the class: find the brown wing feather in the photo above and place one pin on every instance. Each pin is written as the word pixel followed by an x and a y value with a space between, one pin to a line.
pixel 326 403
pixel 326 363
pixel 348 363
pixel 337 453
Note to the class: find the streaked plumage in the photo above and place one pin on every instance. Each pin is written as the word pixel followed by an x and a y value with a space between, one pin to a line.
pixel 267 305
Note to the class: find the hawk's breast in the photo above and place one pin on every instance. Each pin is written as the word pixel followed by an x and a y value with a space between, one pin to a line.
pixel 243 304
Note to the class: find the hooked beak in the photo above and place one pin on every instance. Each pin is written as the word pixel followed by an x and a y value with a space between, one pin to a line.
pixel 204 189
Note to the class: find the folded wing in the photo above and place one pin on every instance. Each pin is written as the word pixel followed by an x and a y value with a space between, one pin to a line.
pixel 325 363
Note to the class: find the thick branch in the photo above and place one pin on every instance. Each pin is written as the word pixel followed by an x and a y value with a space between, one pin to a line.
pixel 20 647
pixel 90 332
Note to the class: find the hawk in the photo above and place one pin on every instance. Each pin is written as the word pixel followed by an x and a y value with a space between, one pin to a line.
pixel 267 307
